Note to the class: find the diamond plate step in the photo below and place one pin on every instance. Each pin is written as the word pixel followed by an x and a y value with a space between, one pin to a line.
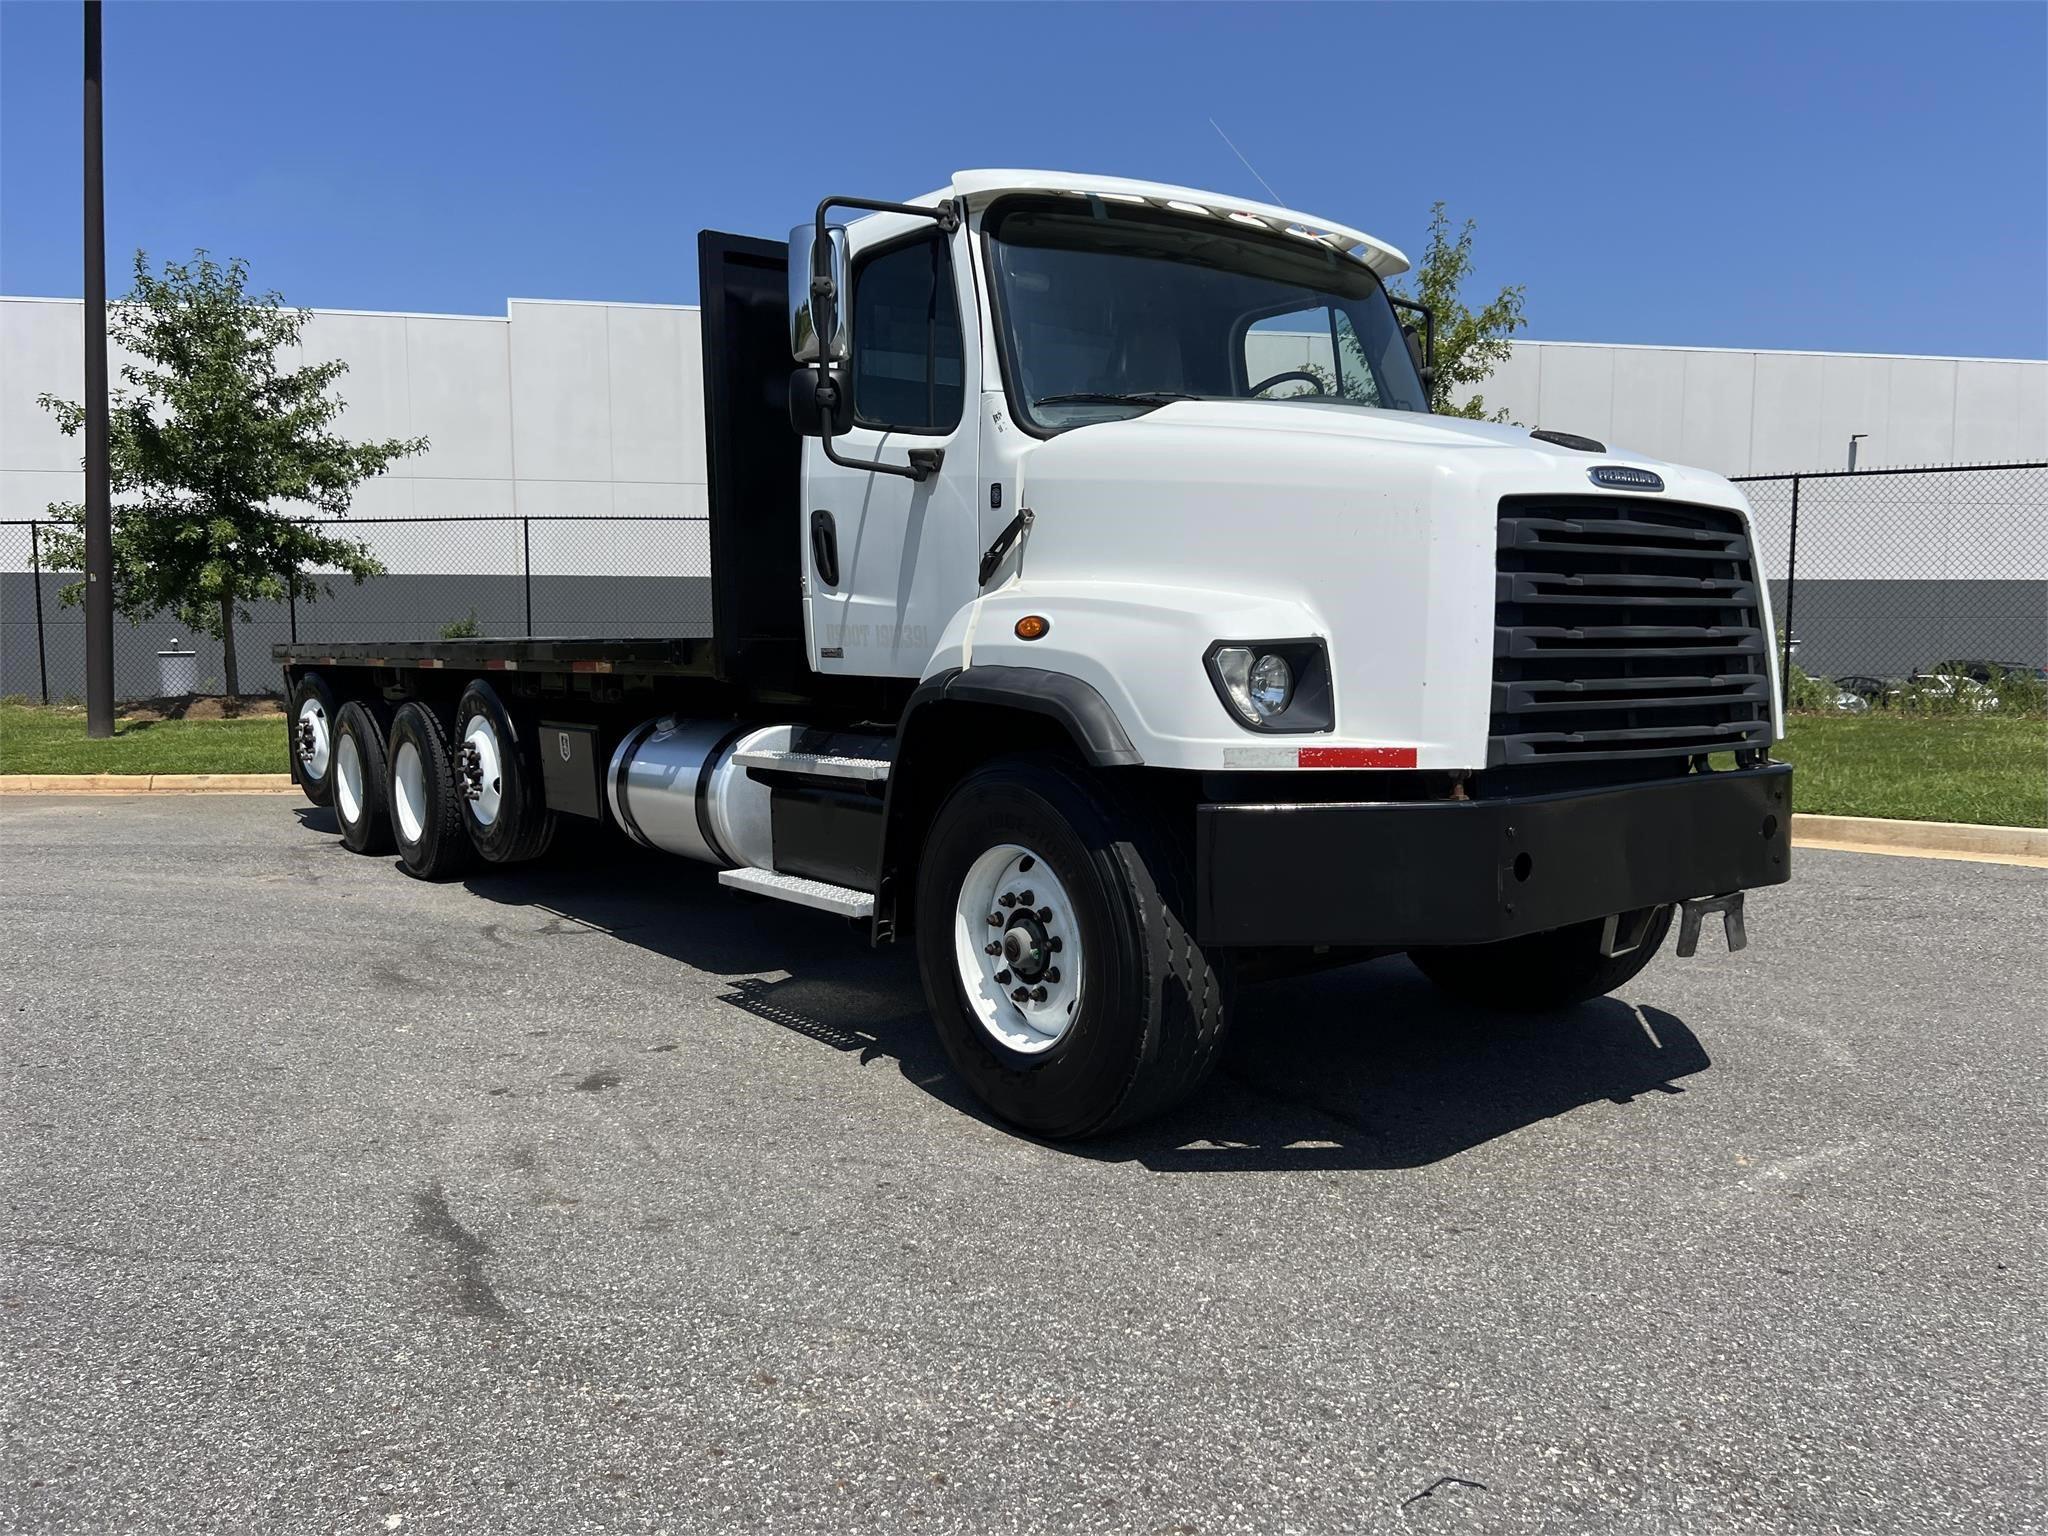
pixel 839 899
pixel 821 765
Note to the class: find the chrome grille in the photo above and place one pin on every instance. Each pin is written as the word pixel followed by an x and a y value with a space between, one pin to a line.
pixel 1625 628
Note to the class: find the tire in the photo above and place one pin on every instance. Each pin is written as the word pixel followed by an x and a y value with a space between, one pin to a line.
pixel 362 780
pixel 1540 972
pixel 314 709
pixel 426 810
pixel 1134 1027
pixel 503 809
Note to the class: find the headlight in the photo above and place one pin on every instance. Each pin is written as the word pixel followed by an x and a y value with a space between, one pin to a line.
pixel 1273 685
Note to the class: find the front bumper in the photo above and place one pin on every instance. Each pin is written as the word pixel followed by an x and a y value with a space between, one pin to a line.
pixel 1402 873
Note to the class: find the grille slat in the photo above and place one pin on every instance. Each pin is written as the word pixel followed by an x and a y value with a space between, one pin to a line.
pixel 1625 630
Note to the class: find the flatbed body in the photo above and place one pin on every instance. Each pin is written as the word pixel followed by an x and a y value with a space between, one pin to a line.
pixel 653 656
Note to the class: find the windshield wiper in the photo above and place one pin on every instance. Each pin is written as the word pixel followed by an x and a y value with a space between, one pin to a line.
pixel 1135 397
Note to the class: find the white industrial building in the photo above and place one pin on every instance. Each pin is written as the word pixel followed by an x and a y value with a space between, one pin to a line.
pixel 591 410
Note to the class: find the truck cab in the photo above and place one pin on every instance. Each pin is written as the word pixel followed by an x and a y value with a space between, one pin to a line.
pixel 1100 605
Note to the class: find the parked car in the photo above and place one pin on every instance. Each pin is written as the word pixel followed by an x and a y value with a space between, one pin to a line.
pixel 1943 690
pixel 1869 689
pixel 1992 671
pixel 1847 700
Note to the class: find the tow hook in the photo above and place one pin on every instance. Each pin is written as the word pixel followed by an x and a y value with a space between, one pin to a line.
pixel 1691 911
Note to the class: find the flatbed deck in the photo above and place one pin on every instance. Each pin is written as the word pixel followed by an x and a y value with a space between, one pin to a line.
pixel 652 657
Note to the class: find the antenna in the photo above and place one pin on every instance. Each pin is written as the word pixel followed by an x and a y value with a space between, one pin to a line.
pixel 1247 164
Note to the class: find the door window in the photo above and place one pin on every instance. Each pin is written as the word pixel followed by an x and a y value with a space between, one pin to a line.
pixel 908 365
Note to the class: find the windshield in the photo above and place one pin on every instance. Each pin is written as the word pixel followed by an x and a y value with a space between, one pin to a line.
pixel 1109 310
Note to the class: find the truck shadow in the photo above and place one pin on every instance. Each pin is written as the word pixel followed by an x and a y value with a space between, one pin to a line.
pixel 1363 1068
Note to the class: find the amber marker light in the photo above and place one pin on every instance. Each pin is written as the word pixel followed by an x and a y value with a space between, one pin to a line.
pixel 1033 626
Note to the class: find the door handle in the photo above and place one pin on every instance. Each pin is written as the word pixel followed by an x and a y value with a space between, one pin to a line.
pixel 825 547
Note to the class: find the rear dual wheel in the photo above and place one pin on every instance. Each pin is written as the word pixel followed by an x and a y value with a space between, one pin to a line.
pixel 313 711
pixel 362 779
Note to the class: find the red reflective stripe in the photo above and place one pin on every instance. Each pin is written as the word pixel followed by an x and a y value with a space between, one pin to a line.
pixel 1356 757
pixel 429 663
pixel 501 666
pixel 590 666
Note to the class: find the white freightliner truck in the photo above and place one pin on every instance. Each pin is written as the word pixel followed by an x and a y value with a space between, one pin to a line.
pixel 1097 603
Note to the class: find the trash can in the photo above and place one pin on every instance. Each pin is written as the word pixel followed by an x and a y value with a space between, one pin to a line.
pixel 177 672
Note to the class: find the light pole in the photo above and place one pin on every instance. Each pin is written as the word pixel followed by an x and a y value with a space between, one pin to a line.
pixel 99 529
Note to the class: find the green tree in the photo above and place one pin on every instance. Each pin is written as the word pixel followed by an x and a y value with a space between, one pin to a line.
pixel 218 453
pixel 1469 343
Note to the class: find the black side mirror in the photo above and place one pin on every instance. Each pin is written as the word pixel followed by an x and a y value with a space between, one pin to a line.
pixel 1424 370
pixel 816 407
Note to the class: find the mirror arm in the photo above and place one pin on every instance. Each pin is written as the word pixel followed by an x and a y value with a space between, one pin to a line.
pixel 947 216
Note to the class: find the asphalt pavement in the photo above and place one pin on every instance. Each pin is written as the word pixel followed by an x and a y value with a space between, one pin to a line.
pixel 591 1197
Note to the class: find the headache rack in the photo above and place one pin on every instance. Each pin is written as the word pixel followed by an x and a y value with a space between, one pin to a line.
pixel 1625 628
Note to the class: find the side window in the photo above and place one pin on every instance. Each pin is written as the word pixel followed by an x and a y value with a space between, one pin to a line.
pixel 908 367
pixel 1319 342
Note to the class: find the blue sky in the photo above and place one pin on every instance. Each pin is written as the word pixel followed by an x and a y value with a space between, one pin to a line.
pixel 1838 176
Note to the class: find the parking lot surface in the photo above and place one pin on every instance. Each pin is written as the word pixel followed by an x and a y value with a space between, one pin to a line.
pixel 590 1197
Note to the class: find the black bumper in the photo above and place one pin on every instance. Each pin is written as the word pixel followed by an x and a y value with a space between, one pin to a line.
pixel 1400 873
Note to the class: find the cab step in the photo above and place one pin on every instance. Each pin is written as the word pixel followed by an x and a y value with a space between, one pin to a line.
pixel 816 765
pixel 841 900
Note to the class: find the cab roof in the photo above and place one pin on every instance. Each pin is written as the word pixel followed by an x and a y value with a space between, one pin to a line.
pixel 980 188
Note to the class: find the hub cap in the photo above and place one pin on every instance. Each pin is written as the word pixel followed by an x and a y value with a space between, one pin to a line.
pixel 348 779
pixel 315 745
pixel 409 791
pixel 479 769
pixel 1018 949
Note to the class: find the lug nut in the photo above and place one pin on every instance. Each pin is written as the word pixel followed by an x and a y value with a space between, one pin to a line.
pixel 992 947
pixel 1053 943
pixel 1045 914
pixel 1053 975
pixel 1002 978
pixel 1038 994
pixel 995 919
pixel 1024 897
pixel 1006 900
pixel 1021 995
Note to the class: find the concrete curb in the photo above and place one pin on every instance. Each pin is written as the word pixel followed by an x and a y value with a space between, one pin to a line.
pixel 1961 839
pixel 146 784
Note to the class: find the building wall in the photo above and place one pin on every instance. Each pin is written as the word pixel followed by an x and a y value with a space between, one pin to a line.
pixel 573 410
pixel 1765 413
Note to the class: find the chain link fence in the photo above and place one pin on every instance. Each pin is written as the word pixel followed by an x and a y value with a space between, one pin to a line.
pixel 1877 577
pixel 1883 576
pixel 617 577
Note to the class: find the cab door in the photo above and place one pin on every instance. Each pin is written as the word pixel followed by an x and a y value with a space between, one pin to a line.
pixel 889 559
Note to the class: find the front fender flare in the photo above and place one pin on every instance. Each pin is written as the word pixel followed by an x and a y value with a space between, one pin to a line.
pixel 1073 704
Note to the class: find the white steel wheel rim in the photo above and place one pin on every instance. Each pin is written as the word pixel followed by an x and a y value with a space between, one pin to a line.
pixel 348 779
pixel 316 748
pixel 409 791
pixel 485 765
pixel 1027 993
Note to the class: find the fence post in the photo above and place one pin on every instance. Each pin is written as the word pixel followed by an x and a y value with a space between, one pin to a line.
pixel 1791 584
pixel 35 566
pixel 526 552
pixel 291 599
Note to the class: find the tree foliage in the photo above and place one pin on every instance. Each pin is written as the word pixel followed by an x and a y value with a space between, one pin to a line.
pixel 218 452
pixel 1469 342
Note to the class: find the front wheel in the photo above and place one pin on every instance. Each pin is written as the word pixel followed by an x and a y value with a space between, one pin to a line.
pixel 1058 960
pixel 1539 972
